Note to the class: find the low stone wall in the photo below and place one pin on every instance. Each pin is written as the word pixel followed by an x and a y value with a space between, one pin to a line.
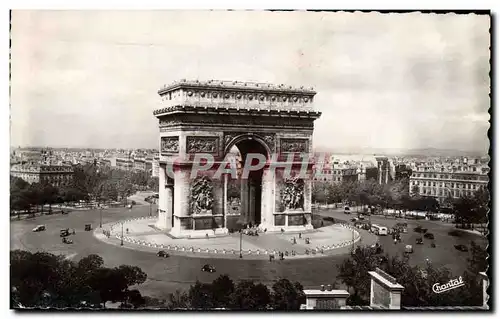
pixel 115 230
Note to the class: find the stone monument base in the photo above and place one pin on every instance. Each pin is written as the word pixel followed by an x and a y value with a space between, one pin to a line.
pixel 198 234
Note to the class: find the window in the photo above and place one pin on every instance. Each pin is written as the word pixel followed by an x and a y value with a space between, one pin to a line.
pixel 433 183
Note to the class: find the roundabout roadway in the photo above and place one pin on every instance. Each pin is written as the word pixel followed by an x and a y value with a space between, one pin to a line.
pixel 165 275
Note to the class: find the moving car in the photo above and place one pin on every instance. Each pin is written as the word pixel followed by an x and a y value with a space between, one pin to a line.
pixel 208 268
pixel 163 254
pixel 347 210
pixel 88 227
pixel 379 230
pixel 429 235
pixel 419 241
pixel 408 249
pixel 64 232
pixel 67 241
pixel 462 248
pixel 39 228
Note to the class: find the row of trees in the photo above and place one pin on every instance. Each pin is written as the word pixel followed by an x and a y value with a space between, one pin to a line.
pixel 418 281
pixel 396 195
pixel 367 192
pixel 45 280
pixel 243 295
pixel 89 183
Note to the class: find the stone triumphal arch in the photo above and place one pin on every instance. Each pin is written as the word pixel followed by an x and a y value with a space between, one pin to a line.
pixel 211 117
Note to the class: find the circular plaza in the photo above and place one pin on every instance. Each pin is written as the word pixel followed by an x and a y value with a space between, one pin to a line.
pixel 141 233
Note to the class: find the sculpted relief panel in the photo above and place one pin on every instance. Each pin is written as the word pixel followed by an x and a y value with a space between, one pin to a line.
pixel 169 144
pixel 294 145
pixel 195 144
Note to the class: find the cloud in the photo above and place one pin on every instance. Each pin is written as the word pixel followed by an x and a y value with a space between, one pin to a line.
pixel 85 78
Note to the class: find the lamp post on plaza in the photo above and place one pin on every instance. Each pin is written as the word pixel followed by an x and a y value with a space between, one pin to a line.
pixel 100 221
pixel 241 239
pixel 121 241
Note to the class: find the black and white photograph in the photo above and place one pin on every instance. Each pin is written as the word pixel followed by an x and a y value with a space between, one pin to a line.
pixel 256 160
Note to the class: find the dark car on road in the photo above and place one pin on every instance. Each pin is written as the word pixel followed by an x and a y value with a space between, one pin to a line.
pixel 64 232
pixel 163 254
pixel 208 268
pixel 39 228
pixel 429 235
pixel 347 210
pixel 462 248
pixel 419 241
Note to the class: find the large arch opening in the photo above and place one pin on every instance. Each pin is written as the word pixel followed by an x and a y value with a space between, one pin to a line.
pixel 247 191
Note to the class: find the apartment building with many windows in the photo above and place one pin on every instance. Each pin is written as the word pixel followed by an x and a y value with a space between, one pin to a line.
pixel 454 181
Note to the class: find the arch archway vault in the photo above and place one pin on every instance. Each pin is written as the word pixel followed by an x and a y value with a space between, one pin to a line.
pixel 211 117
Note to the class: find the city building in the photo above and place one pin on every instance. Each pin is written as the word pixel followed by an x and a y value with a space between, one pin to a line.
pixel 139 164
pixel 124 163
pixel 386 170
pixel 155 171
pixel 56 175
pixel 454 181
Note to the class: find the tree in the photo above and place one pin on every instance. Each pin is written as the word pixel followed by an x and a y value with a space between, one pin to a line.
pixel 482 202
pixel 178 300
pixel 154 183
pixel 49 195
pixel 201 296
pixel 415 191
pixel 46 280
pixel 354 272
pixel 463 208
pixel 222 288
pixel 287 295
pixel 250 296
pixel 478 258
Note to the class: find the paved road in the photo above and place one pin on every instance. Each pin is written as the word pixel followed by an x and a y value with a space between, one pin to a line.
pixel 179 272
pixel 444 254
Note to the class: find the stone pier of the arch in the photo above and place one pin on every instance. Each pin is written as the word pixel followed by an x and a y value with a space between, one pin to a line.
pixel 211 117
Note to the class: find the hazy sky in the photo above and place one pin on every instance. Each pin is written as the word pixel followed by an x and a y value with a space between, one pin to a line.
pixel 90 79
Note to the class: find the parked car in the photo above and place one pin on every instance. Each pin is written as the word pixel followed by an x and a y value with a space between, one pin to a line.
pixel 208 268
pixel 462 248
pixel 39 228
pixel 88 227
pixel 419 241
pixel 163 254
pixel 67 241
pixel 429 235
pixel 347 210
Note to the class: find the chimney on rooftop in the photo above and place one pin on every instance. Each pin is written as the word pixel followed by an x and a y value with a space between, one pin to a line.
pixel 329 287
pixel 322 287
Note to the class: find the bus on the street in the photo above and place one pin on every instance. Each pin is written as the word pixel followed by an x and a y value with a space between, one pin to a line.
pixel 379 230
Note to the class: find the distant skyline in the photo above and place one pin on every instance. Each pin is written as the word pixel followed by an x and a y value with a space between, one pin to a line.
pixel 384 81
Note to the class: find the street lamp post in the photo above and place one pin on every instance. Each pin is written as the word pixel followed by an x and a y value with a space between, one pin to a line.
pixel 150 208
pixel 100 222
pixel 241 239
pixel 121 242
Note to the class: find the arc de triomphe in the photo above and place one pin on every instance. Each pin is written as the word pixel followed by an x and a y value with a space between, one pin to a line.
pixel 211 117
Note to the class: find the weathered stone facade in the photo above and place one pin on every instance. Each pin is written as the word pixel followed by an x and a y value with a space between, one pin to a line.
pixel 212 117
